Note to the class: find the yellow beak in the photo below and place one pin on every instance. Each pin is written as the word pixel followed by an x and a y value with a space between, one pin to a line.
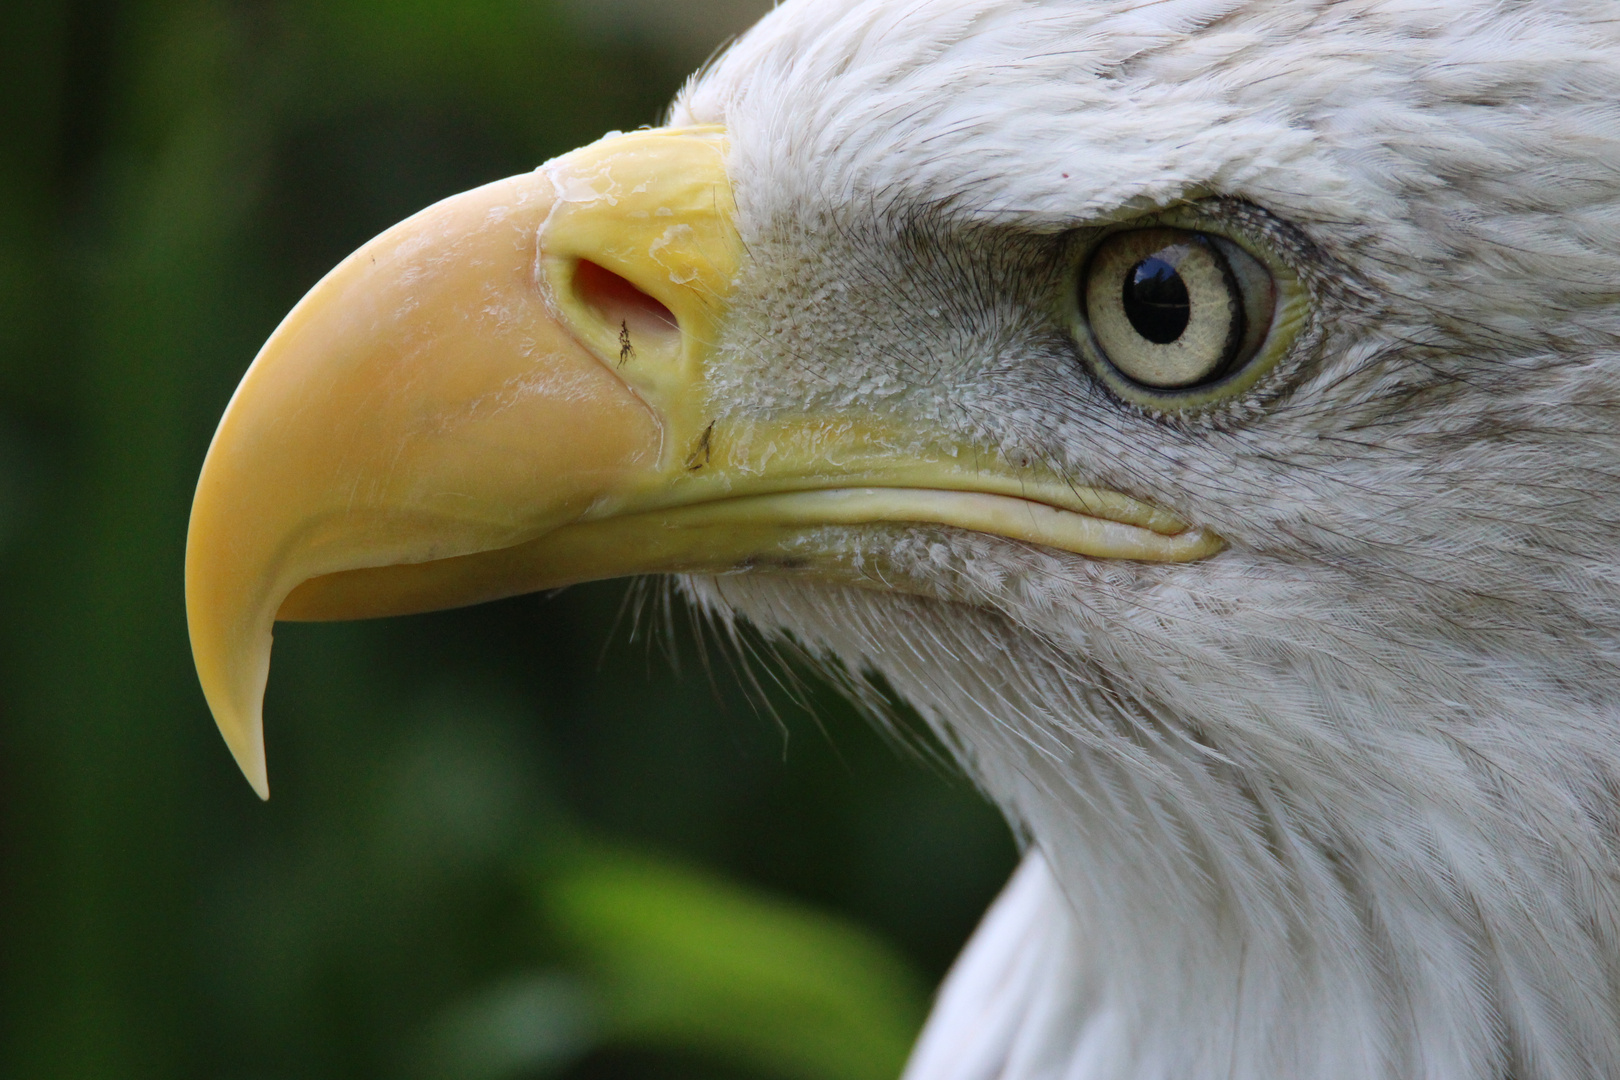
pixel 520 388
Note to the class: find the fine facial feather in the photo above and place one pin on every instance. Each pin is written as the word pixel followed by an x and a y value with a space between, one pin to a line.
pixel 1343 801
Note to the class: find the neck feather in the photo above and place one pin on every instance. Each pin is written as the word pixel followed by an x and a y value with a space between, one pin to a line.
pixel 1257 894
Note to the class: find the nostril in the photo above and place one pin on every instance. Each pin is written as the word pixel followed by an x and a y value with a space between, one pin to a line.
pixel 620 304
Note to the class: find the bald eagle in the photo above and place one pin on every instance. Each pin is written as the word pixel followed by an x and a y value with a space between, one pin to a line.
pixel 1206 413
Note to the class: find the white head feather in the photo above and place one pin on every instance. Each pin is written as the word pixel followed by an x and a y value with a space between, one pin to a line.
pixel 1343 801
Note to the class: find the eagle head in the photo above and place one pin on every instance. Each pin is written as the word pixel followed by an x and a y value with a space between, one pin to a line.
pixel 1204 412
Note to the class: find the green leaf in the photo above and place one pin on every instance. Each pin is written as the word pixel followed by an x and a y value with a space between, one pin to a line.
pixel 685 960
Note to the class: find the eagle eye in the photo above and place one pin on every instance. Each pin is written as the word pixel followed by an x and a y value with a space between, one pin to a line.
pixel 1170 309
pixel 1179 318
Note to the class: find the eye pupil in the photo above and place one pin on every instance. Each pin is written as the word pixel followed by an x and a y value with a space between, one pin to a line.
pixel 1156 301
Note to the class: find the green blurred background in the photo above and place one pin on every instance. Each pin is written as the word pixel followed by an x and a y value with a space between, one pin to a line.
pixel 526 839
